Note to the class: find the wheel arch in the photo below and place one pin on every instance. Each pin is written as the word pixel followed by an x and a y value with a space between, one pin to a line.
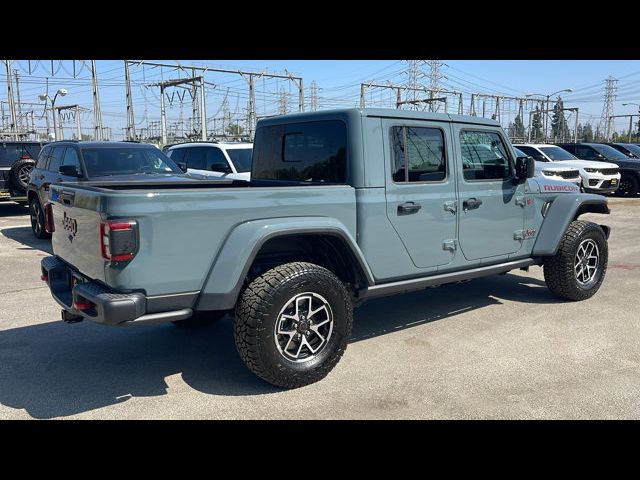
pixel 256 243
pixel 564 209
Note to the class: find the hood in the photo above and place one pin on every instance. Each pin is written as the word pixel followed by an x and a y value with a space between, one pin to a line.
pixel 554 167
pixel 587 164
pixel 630 164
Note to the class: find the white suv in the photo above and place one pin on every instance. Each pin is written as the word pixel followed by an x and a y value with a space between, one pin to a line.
pixel 554 171
pixel 597 177
pixel 211 159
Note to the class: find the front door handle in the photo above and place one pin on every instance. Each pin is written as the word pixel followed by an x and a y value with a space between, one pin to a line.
pixel 408 208
pixel 471 203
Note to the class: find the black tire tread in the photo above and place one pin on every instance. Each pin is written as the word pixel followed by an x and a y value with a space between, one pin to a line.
pixel 15 180
pixel 251 310
pixel 558 269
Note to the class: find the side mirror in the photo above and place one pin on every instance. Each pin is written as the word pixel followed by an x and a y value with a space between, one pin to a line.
pixel 220 167
pixel 69 171
pixel 525 168
pixel 182 166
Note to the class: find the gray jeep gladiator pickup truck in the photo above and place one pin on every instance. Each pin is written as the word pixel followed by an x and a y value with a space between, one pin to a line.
pixel 342 206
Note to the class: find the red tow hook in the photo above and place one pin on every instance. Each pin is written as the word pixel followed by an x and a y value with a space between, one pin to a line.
pixel 82 305
pixel 44 277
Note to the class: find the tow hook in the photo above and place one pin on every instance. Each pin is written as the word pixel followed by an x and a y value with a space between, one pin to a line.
pixel 70 317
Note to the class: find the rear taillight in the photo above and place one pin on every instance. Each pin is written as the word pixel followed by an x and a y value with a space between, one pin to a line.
pixel 119 240
pixel 49 226
pixel 25 157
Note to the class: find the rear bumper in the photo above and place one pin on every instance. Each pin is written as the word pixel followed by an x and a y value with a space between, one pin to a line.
pixel 107 306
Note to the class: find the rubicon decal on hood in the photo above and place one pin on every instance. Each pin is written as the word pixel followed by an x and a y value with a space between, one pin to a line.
pixel 560 188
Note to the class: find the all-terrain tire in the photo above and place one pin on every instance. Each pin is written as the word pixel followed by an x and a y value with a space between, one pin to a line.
pixel 36 214
pixel 200 319
pixel 560 269
pixel 19 174
pixel 260 312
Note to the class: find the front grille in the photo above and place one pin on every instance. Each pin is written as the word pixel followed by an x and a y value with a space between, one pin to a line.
pixel 569 174
pixel 609 171
pixel 606 184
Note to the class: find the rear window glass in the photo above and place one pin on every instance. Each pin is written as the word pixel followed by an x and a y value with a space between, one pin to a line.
pixel 310 152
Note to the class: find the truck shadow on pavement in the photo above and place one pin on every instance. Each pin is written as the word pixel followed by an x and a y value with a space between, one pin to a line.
pixel 25 236
pixel 56 370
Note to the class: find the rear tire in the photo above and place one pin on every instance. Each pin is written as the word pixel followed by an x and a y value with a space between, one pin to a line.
pixel 19 174
pixel 578 268
pixel 37 219
pixel 629 185
pixel 293 323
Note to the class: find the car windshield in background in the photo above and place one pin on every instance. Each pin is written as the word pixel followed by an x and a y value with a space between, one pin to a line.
pixel 241 158
pixel 126 161
pixel 610 152
pixel 557 154
pixel 519 153
pixel 635 149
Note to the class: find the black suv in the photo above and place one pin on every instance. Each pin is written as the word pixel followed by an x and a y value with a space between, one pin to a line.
pixel 73 161
pixel 16 163
pixel 631 150
pixel 629 168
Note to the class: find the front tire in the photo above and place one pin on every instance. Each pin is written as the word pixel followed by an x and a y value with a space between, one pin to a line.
pixel 578 268
pixel 37 219
pixel 293 323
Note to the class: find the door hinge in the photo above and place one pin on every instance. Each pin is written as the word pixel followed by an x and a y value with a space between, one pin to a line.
pixel 450 207
pixel 450 245
pixel 521 201
pixel 518 235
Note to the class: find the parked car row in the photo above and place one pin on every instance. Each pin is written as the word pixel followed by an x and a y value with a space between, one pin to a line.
pixel 604 168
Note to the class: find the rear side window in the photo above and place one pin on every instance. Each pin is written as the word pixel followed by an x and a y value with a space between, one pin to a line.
pixel 43 158
pixel 484 156
pixel 532 152
pixel 56 159
pixel 310 152
pixel 418 154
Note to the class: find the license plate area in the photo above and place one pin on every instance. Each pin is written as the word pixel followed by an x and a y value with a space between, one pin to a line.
pixel 614 181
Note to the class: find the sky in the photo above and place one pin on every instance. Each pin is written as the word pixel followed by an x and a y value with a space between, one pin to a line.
pixel 338 83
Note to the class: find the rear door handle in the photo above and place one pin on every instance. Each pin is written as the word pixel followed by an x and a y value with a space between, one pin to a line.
pixel 471 203
pixel 408 208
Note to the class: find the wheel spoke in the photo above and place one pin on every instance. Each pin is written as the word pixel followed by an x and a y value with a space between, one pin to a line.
pixel 319 309
pixel 314 329
pixel 291 337
pixel 308 345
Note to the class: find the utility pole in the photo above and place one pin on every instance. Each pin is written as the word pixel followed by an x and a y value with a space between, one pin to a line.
pixel 12 106
pixel 19 109
pixel 194 97
pixel 131 119
pixel 283 102
pixel 314 96
pixel 607 107
pixel 203 111
pixel 78 129
pixel 163 116
pixel 97 115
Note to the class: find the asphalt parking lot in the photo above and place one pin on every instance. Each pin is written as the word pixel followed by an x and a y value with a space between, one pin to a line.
pixel 499 347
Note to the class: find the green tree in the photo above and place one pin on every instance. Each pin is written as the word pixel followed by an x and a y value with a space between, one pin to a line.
pixel 235 130
pixel 536 125
pixel 587 133
pixel 559 127
pixel 518 127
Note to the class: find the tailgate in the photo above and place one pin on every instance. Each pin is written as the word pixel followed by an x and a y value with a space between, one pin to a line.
pixel 76 239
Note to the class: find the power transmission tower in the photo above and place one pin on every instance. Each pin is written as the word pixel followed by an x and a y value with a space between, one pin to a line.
pixel 283 102
pixel 314 96
pixel 434 82
pixel 12 106
pixel 97 115
pixel 606 119
pixel 412 85
pixel 19 106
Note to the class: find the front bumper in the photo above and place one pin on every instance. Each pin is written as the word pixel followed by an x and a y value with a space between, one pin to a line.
pixel 69 287
pixel 597 183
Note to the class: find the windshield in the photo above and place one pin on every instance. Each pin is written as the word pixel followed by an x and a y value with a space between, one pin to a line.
pixel 557 154
pixel 519 153
pixel 126 161
pixel 635 149
pixel 610 153
pixel 241 158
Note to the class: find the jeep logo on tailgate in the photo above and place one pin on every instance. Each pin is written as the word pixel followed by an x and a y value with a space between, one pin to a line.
pixel 70 224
